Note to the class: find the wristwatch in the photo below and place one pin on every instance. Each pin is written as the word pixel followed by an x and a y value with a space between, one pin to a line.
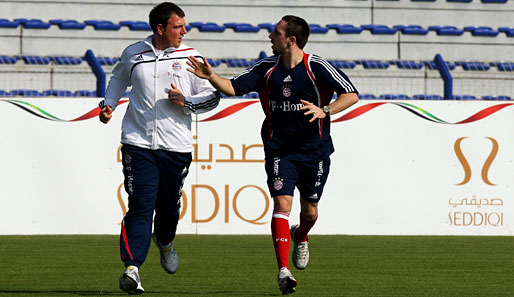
pixel 326 109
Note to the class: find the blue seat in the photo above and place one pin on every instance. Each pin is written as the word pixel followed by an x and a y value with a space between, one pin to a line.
pixel 394 96
pixel 25 93
pixel 461 1
pixel 56 93
pixel 68 24
pixel 408 64
pixel 504 66
pixel 268 26
pixel 214 63
pixel 499 97
pixel 481 31
pixel 342 64
pixel 242 27
pixel 464 97
pixel 474 66
pixel 494 1
pixel 423 0
pixel 33 23
pixel 345 28
pixel 509 31
pixel 427 97
pixel 411 29
pixel 239 63
pixel 367 96
pixel 207 27
pixel 431 65
pixel 9 59
pixel 66 60
pixel 446 30
pixel 107 60
pixel 379 29
pixel 317 29
pixel 84 93
pixel 5 23
pixel 136 25
pixel 4 93
pixel 103 25
pixel 35 60
pixel 374 64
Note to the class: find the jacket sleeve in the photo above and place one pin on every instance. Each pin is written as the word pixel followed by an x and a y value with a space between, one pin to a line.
pixel 205 97
pixel 118 83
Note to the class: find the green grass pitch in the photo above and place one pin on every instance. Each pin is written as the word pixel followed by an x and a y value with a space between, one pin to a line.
pixel 216 265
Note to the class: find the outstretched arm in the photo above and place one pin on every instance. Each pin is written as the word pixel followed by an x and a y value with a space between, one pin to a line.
pixel 204 70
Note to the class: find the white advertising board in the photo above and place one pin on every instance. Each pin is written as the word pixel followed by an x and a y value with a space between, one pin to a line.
pixel 400 167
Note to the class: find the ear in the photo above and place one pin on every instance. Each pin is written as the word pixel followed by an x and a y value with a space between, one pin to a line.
pixel 160 29
pixel 292 39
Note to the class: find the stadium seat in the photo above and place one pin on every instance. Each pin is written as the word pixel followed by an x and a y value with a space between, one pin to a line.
pixel 494 1
pixel 342 64
pixel 33 23
pixel 461 1
pixel 500 97
pixel 56 93
pixel 9 59
pixel 427 97
pixel 35 60
pixel 239 62
pixel 268 26
pixel 411 29
pixel 66 60
pixel 103 25
pixel 5 23
pixel 136 25
pixel 25 93
pixel 4 93
pixel 242 27
pixel 431 65
pixel 408 64
pixel 423 0
pixel 374 64
pixel 474 66
pixel 481 31
pixel 446 30
pixel 207 27
pixel 317 29
pixel 394 96
pixel 68 24
pixel 379 29
pixel 509 31
pixel 504 66
pixel 345 29
pixel 367 96
pixel 464 97
pixel 107 60
pixel 214 63
pixel 84 93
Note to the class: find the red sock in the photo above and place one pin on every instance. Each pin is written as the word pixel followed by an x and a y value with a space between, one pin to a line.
pixel 304 228
pixel 281 237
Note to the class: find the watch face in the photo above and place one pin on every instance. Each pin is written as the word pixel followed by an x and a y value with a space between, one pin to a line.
pixel 326 109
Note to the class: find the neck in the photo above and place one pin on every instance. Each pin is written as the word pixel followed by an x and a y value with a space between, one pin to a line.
pixel 160 43
pixel 292 58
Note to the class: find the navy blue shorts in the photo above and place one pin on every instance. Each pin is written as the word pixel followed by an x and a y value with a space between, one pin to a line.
pixel 309 177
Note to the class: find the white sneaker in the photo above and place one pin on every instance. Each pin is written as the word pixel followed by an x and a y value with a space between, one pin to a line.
pixel 130 282
pixel 301 250
pixel 169 258
pixel 286 281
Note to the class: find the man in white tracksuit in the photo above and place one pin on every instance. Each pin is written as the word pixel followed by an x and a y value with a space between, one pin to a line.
pixel 156 137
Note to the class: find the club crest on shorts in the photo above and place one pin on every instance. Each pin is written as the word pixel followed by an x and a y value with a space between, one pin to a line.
pixel 127 158
pixel 176 66
pixel 277 183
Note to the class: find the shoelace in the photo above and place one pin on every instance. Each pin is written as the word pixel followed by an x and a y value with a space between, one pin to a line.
pixel 303 248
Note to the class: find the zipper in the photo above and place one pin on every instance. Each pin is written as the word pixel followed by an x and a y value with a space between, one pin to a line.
pixel 154 137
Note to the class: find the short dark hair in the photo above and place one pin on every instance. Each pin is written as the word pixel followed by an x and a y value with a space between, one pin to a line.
pixel 297 27
pixel 162 12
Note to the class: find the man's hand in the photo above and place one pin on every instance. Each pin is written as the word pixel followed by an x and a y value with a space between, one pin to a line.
pixel 317 113
pixel 202 70
pixel 176 96
pixel 105 114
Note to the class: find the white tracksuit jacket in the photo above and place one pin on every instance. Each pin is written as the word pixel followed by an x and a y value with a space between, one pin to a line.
pixel 151 120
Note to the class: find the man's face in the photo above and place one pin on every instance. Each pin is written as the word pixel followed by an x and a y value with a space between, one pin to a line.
pixel 279 41
pixel 174 30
